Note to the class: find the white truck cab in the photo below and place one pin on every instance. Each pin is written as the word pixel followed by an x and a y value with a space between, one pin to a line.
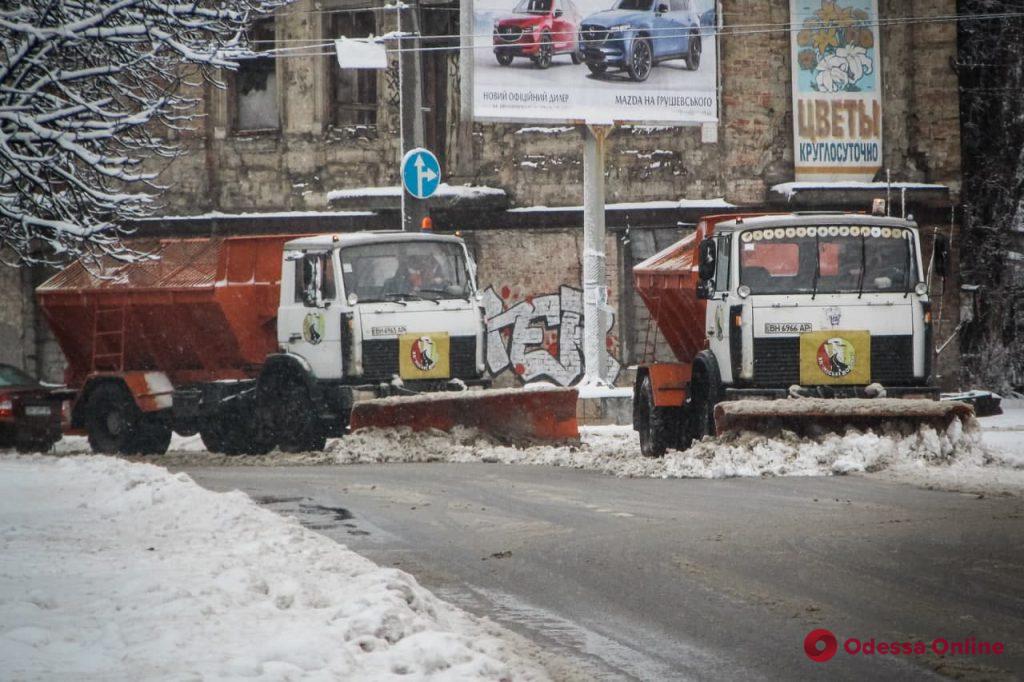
pixel 817 302
pixel 382 311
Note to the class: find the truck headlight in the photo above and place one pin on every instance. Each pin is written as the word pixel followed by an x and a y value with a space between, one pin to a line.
pixel 743 291
pixel 921 289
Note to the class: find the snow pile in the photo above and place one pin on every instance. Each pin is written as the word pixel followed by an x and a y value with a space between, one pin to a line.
pixel 113 570
pixel 615 450
pixel 989 460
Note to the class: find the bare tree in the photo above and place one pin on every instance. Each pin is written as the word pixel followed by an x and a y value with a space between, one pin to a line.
pixel 88 92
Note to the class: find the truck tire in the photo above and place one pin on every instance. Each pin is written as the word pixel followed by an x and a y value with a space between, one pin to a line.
pixel 235 432
pixel 658 426
pixel 111 418
pixel 152 437
pixel 703 398
pixel 291 412
pixel 115 425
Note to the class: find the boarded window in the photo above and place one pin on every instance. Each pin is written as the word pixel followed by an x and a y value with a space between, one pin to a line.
pixel 354 100
pixel 256 83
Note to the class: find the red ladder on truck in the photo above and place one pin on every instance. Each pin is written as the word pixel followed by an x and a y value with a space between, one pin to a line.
pixel 108 338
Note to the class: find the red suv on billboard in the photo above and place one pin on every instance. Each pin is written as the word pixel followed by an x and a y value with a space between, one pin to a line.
pixel 538 29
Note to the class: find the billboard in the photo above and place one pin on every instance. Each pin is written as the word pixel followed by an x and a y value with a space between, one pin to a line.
pixel 557 61
pixel 837 89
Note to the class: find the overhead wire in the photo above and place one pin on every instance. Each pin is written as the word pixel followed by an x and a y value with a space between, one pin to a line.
pixel 736 30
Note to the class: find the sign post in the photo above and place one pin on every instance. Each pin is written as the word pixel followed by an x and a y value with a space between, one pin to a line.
pixel 595 289
pixel 411 104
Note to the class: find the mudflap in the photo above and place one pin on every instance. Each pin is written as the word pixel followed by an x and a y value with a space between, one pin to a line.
pixel 515 415
pixel 808 415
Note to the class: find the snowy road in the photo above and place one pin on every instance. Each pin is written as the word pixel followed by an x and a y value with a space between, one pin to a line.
pixel 683 579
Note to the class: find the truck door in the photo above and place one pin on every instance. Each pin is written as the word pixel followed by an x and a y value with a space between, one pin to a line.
pixel 718 314
pixel 310 319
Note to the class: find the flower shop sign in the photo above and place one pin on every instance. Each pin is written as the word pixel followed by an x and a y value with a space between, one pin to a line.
pixel 837 89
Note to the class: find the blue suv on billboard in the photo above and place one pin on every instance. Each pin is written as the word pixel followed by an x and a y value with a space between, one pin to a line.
pixel 634 35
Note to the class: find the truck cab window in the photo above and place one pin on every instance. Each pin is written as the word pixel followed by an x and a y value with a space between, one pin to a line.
pixel 722 272
pixel 314 274
pixel 828 259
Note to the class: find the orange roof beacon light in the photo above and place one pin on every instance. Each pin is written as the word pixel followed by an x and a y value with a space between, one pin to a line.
pixel 427 225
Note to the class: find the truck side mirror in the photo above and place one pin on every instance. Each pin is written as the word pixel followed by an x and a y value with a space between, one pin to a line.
pixel 940 255
pixel 662 8
pixel 708 260
pixel 558 13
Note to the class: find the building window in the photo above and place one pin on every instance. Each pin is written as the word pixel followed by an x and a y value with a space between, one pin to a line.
pixel 256 83
pixel 354 98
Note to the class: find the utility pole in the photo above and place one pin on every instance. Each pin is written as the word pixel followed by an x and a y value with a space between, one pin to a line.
pixel 595 289
pixel 411 98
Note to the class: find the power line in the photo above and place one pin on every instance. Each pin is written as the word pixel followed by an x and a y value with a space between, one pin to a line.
pixel 726 31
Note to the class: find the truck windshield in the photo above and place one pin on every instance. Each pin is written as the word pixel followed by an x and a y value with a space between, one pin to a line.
pixel 828 259
pixel 409 269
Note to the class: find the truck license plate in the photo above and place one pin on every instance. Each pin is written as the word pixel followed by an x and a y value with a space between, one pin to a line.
pixel 37 410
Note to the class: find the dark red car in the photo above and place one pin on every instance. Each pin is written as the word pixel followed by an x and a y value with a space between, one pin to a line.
pixel 538 29
pixel 29 413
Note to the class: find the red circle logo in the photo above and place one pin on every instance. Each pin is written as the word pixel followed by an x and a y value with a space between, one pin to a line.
pixel 820 645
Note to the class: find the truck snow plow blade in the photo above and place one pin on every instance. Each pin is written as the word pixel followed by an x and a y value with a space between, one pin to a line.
pixel 512 414
pixel 821 414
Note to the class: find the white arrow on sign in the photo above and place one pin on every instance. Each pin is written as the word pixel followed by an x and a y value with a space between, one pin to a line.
pixel 421 174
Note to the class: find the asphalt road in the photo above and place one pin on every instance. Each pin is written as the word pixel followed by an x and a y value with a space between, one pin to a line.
pixel 684 579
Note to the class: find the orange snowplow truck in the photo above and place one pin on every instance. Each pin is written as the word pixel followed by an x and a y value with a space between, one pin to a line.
pixel 257 342
pixel 788 320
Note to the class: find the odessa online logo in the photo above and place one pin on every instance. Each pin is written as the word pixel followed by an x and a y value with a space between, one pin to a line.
pixel 820 645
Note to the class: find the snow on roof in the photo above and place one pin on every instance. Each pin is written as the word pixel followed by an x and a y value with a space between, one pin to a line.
pixel 355 238
pixel 814 218
pixel 634 206
pixel 214 215
pixel 789 189
pixel 444 190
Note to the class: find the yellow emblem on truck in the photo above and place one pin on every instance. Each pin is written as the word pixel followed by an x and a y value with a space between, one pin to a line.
pixel 835 357
pixel 424 356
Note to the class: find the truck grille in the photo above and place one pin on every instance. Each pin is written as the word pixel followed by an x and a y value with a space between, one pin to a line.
pixel 380 358
pixel 777 361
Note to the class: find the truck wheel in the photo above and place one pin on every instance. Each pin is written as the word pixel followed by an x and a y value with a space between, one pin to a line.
pixel 658 426
pixel 111 419
pixel 294 422
pixel 504 58
pixel 235 432
pixel 702 407
pixel 152 437
pixel 213 438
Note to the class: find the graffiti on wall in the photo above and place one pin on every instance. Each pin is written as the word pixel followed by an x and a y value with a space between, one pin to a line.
pixel 541 337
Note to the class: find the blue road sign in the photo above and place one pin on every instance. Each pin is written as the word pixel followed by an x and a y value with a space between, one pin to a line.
pixel 421 173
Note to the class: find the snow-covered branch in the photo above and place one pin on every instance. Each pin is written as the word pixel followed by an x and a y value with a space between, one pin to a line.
pixel 89 89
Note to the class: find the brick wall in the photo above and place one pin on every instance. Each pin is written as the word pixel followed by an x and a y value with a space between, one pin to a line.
pixel 294 168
